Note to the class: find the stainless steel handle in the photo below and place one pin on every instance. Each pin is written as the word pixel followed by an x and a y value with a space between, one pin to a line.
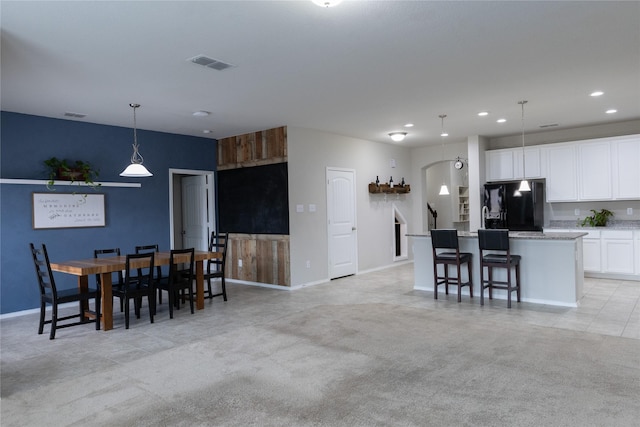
pixel 353 229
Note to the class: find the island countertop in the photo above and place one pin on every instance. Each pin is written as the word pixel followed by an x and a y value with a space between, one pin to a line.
pixel 534 235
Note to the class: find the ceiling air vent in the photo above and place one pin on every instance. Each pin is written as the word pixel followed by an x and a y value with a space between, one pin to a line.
pixel 210 62
pixel 76 115
pixel 549 125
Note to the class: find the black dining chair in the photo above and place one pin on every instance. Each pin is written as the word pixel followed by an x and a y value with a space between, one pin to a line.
pixel 446 252
pixel 117 279
pixel 216 267
pixel 180 278
pixel 145 249
pixel 495 253
pixel 138 283
pixel 50 294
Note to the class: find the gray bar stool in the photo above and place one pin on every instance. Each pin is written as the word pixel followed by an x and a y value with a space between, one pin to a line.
pixel 495 252
pixel 443 239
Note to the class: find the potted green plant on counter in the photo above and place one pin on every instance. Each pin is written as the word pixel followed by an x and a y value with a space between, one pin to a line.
pixel 72 171
pixel 598 219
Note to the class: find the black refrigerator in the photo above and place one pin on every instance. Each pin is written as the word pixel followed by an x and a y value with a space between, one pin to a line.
pixel 506 207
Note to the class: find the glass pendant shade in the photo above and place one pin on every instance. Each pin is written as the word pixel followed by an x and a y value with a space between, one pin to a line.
pixel 136 170
pixel 524 186
pixel 444 191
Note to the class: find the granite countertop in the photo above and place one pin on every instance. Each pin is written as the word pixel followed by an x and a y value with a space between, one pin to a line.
pixel 530 235
pixel 611 225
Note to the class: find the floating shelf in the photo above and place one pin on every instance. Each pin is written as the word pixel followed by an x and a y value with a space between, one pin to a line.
pixel 387 189
pixel 46 181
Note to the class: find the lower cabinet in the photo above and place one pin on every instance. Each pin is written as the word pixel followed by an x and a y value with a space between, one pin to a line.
pixel 591 253
pixel 618 252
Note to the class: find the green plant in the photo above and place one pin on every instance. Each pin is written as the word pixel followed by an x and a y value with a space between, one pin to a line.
pixel 598 219
pixel 77 171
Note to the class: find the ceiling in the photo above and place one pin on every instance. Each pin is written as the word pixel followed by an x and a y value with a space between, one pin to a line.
pixel 360 69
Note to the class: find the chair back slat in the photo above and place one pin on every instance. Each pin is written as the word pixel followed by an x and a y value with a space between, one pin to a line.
pixel 218 243
pixel 177 271
pixel 140 275
pixel 97 253
pixel 46 282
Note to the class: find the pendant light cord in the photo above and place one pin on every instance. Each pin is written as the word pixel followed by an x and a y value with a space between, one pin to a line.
pixel 136 157
pixel 524 175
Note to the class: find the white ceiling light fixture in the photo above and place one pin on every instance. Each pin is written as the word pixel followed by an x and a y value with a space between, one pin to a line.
pixel 483 113
pixel 397 136
pixel 327 3
pixel 611 111
pixel 597 93
pixel 135 169
pixel 524 184
pixel 444 191
pixel 201 113
pixel 501 120
pixel 409 125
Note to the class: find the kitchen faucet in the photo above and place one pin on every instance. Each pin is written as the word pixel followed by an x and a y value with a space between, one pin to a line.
pixel 485 214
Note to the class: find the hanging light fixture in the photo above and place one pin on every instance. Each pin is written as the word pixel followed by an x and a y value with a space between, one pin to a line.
pixel 135 169
pixel 524 184
pixel 444 191
pixel 397 136
pixel 327 3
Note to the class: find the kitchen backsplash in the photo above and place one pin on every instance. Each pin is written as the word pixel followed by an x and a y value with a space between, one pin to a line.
pixel 612 223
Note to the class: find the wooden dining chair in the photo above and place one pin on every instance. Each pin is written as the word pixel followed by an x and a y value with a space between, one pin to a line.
pixel 216 267
pixel 138 283
pixel 180 278
pixel 117 279
pixel 50 294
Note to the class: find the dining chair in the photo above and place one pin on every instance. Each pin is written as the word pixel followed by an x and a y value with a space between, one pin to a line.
pixel 180 279
pixel 446 252
pixel 138 283
pixel 50 294
pixel 117 279
pixel 143 249
pixel 496 253
pixel 216 267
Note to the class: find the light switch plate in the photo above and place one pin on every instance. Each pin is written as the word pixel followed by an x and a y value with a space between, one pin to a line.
pixel 312 208
pixel 576 212
pixel 299 208
pixel 629 211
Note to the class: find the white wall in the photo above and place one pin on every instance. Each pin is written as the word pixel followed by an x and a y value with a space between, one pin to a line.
pixel 310 152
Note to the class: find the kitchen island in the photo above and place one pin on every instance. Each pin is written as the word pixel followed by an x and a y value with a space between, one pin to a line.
pixel 551 269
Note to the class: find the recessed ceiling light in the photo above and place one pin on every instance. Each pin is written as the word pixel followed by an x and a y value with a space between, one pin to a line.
pixel 597 93
pixel 611 111
pixel 206 131
pixel 444 134
pixel 483 113
pixel 409 125
pixel 501 120
pixel 201 113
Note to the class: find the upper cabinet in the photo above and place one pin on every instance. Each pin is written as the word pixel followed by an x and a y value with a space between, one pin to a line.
pixel 506 164
pixel 561 173
pixel 625 154
pixel 597 169
pixel 594 170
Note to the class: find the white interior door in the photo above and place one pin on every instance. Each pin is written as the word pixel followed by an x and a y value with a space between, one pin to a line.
pixel 195 225
pixel 341 215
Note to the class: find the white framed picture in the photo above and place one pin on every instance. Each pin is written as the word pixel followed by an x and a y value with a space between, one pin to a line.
pixel 67 210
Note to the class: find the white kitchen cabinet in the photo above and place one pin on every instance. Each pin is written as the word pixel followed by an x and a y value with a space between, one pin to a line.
pixel 637 251
pixel 625 168
pixel 594 170
pixel 499 165
pixel 618 251
pixel 562 185
pixel 591 252
pixel 531 162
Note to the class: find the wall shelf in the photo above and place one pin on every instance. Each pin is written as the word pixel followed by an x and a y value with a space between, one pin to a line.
pixel 82 184
pixel 387 189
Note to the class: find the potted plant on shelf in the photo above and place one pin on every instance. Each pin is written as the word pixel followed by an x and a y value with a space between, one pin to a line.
pixel 76 171
pixel 598 219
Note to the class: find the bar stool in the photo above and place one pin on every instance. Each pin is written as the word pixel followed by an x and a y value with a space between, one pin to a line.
pixel 448 239
pixel 496 243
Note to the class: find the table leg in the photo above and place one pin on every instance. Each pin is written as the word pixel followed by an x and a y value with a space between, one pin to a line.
pixel 83 285
pixel 199 285
pixel 107 301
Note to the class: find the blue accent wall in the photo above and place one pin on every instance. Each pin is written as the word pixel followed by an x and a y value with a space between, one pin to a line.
pixel 134 216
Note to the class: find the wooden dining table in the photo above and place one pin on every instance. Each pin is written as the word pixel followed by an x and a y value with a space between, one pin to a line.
pixel 106 266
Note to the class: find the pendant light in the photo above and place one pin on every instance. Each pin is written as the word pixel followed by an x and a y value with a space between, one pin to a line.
pixel 135 169
pixel 444 191
pixel 524 184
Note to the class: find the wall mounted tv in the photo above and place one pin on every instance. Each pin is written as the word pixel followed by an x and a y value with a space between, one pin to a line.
pixel 254 200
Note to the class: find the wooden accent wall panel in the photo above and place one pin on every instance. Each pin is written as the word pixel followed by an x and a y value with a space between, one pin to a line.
pixel 253 149
pixel 265 258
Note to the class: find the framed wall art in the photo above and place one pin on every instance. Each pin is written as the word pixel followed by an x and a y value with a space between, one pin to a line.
pixel 64 210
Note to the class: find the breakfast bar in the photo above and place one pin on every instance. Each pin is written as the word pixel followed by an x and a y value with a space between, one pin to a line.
pixel 551 267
